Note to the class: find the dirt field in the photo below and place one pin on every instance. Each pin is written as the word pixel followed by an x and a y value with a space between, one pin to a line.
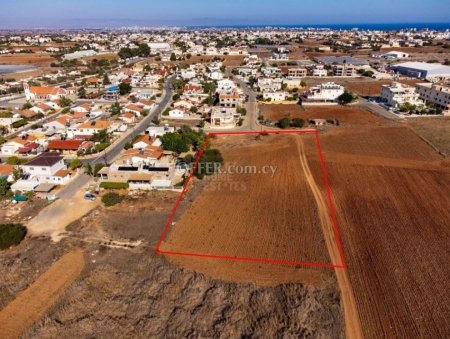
pixel 23 59
pixel 151 297
pixel 435 131
pixel 252 227
pixel 347 115
pixel 31 304
pixel 391 195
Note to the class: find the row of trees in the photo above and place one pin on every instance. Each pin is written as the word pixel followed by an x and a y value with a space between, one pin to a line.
pixel 141 51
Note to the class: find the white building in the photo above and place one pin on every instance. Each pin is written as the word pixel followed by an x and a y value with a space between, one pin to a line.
pixel 396 94
pixel 223 117
pixel 423 70
pixel 328 91
pixel 47 168
pixel 436 93
pixel 275 96
pixel 177 113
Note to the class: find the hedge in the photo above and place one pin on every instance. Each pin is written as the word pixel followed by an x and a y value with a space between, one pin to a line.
pixel 11 234
pixel 114 185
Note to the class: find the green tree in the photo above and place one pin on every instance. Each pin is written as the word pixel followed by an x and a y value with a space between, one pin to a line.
pixel 82 93
pixel 27 105
pixel 174 142
pixel 297 122
pixel 173 57
pixel 346 98
pixel 143 50
pixel 106 80
pixel 125 88
pixel 97 168
pixel 65 102
pixel 4 185
pixel 284 123
pixel 13 160
pixel 11 234
pixel 17 174
pixel 75 163
pixel 115 108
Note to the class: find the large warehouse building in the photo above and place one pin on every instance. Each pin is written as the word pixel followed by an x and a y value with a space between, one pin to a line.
pixel 423 70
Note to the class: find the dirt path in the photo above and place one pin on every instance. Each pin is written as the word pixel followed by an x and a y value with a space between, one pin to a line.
pixel 53 220
pixel 31 304
pixel 352 321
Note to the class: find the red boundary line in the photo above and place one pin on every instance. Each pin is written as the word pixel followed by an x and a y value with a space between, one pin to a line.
pixel 237 258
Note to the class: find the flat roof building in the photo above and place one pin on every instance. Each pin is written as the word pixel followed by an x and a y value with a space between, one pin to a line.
pixel 423 70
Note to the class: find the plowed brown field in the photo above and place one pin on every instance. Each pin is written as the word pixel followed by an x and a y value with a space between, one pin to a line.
pixel 254 215
pixel 347 115
pixel 391 192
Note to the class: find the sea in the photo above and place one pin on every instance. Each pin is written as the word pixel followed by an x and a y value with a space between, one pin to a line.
pixel 439 26
pixel 7 69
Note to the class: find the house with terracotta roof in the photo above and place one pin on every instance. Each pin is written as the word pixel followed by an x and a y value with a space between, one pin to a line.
pixel 35 93
pixel 59 124
pixel 128 117
pixel 89 127
pixel 146 141
pixel 65 146
pixel 12 146
pixel 135 109
pixel 7 171
pixel 41 108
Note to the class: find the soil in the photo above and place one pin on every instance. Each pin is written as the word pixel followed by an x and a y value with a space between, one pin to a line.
pixel 151 297
pixel 391 195
pixel 346 115
pixel 23 59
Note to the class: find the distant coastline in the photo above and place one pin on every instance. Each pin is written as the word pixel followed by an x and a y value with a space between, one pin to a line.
pixel 139 25
pixel 442 26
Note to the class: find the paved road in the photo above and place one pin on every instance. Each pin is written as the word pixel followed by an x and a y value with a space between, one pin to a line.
pixel 82 179
pixel 378 110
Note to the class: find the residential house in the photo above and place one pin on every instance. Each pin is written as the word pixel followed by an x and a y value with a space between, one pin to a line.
pixel 34 93
pixel 328 91
pixel 438 94
pixel 47 168
pixel 396 94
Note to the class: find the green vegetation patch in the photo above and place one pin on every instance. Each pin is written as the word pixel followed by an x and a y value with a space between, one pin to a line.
pixel 11 235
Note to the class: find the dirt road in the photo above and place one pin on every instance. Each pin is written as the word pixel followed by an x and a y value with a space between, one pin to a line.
pixel 53 220
pixel 30 305
pixel 352 321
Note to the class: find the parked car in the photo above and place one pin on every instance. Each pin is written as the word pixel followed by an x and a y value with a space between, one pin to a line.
pixel 90 196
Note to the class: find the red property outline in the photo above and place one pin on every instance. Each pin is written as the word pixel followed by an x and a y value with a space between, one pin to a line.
pixel 237 258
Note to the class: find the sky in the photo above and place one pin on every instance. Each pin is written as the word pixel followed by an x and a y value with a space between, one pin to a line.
pixel 103 13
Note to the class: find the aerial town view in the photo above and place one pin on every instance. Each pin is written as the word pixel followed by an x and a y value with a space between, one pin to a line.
pixel 241 169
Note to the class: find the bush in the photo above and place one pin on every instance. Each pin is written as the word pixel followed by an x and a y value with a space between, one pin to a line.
pixel 284 123
pixel 75 163
pixel 111 199
pixel 210 161
pixel 11 234
pixel 297 122
pixel 114 185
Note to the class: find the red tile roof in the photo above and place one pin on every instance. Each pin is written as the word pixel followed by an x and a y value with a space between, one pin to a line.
pixel 66 145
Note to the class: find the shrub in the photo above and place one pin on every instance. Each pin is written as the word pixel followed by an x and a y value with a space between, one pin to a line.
pixel 297 122
pixel 114 185
pixel 284 123
pixel 111 199
pixel 11 234
pixel 75 163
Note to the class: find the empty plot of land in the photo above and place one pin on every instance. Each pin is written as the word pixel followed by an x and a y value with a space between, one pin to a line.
pixel 264 216
pixel 435 131
pixel 395 228
pixel 32 303
pixel 347 115
pixel 36 59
